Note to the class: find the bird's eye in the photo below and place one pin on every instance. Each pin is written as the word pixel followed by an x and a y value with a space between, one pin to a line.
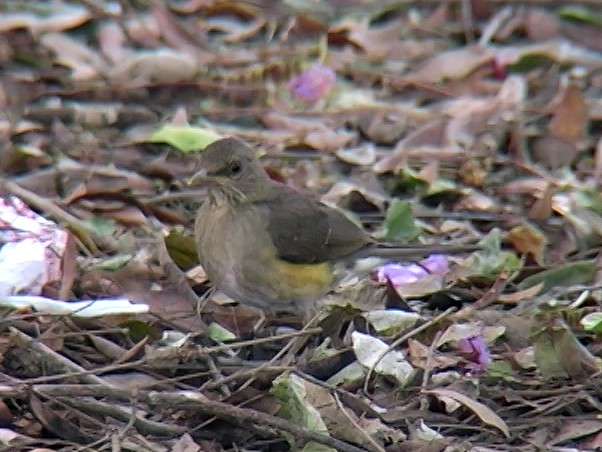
pixel 234 167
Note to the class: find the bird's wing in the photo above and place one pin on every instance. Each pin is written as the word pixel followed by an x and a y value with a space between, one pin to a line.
pixel 305 231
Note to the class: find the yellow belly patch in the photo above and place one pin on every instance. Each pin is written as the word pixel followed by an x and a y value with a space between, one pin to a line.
pixel 304 281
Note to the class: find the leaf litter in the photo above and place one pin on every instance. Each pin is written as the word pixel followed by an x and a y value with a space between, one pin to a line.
pixel 456 123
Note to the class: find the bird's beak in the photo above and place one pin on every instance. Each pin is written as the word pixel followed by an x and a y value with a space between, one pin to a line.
pixel 204 179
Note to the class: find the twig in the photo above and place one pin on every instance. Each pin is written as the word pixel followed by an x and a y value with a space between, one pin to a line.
pixel 427 369
pixel 243 374
pixel 358 427
pixel 187 399
pixel 144 426
pixel 199 352
pixel 494 25
pixel 495 290
pixel 401 340
pixel 294 345
pixel 184 195
pixel 56 358
pixel 467 21
pixel 244 417
pixel 217 376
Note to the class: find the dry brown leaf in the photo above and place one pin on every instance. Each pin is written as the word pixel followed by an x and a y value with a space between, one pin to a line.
pixel 570 119
pixel 63 17
pixel 484 413
pixel 572 429
pixel 542 208
pixel 541 25
pixel 165 66
pixel 430 135
pixel 83 60
pixel 583 34
pixel 363 155
pixel 423 357
pixel 175 32
pixel 235 30
pixel 528 239
pixel 553 152
pixel 345 192
pixel 557 50
pixel 380 41
pixel 382 127
pixel 313 133
pixel 598 163
pixel 113 42
pixel 525 185
pixel 451 65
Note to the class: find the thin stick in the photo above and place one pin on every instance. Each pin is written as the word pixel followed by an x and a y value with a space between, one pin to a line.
pixel 401 340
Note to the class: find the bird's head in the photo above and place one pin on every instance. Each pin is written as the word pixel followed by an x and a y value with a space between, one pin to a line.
pixel 231 172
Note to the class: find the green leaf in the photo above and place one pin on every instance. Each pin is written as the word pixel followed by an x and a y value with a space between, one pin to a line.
pixel 530 62
pixel 101 226
pixel 592 322
pixel 182 250
pixel 580 272
pixel 184 138
pixel 353 373
pixel 138 330
pixel 588 199
pixel 502 370
pixel 290 391
pixel 559 354
pixel 220 334
pixel 581 14
pixel 389 322
pixel 440 187
pixel 115 262
pixel 491 260
pixel 408 180
pixel 399 224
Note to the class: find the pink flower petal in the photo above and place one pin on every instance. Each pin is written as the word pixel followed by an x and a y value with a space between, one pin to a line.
pixel 312 84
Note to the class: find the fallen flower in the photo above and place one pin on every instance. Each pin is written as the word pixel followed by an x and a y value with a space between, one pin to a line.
pixel 399 274
pixel 477 352
pixel 312 84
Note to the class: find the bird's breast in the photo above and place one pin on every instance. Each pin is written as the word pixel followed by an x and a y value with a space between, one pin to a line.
pixel 239 257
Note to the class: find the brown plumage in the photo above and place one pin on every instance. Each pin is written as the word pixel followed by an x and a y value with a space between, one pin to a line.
pixel 265 244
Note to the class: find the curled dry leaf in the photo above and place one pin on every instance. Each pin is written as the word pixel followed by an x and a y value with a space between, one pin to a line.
pixel 311 132
pixel 553 152
pixel 85 62
pixel 454 64
pixel 559 353
pixel 166 66
pixel 558 50
pixel 541 25
pixel 62 16
pixel 343 192
pixel 529 239
pixel 364 155
pixel 428 137
pixel 379 42
pixel 570 119
pixel 484 413
pixel 598 163
pixel 382 127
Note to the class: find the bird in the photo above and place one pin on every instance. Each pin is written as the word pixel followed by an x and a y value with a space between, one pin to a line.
pixel 267 245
